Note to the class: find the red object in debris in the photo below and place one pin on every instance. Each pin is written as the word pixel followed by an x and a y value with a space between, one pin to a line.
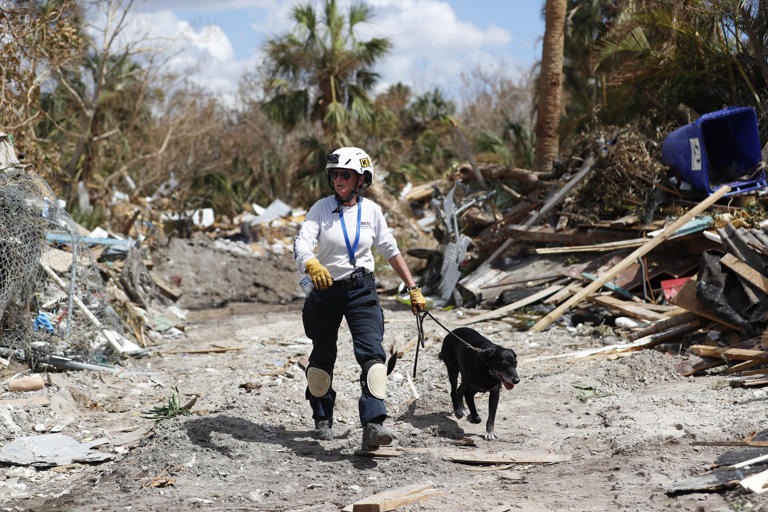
pixel 672 286
pixel 175 279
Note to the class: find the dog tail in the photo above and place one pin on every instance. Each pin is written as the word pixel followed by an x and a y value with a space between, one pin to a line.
pixel 391 363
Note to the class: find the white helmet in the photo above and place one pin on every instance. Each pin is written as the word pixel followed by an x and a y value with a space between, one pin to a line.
pixel 354 159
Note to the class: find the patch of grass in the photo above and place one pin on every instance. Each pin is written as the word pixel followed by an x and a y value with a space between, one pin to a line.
pixel 90 219
pixel 170 410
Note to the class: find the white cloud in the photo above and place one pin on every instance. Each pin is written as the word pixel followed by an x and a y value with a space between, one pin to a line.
pixel 431 46
pixel 204 5
pixel 202 55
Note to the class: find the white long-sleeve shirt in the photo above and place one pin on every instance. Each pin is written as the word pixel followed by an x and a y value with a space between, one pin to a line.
pixel 322 228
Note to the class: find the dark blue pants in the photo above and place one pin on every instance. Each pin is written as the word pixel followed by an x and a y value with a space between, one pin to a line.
pixel 322 314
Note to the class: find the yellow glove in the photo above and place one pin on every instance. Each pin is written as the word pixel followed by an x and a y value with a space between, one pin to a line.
pixel 320 276
pixel 418 302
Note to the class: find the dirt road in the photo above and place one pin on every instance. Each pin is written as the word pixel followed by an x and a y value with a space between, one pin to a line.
pixel 611 431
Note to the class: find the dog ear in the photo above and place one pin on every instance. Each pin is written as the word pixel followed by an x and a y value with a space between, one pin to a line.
pixel 486 355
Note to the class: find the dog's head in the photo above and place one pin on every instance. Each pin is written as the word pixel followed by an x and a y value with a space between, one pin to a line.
pixel 502 364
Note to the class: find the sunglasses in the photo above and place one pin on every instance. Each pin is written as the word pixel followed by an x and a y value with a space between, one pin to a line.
pixel 345 175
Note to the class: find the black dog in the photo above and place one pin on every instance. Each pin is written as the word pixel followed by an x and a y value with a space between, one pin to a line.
pixel 484 366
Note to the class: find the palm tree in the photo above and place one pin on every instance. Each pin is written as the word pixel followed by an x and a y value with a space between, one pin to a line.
pixel 321 71
pixel 550 85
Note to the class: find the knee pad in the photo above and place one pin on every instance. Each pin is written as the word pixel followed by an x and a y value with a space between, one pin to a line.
pixel 318 381
pixel 375 379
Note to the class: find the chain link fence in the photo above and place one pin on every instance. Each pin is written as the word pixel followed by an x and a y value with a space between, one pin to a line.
pixel 54 308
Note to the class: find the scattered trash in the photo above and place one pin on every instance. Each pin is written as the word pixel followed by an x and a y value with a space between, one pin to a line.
pixel 48 450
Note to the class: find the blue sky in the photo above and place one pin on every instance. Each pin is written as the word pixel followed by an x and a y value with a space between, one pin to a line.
pixel 434 40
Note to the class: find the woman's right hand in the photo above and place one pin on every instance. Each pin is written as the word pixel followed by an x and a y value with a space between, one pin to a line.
pixel 320 276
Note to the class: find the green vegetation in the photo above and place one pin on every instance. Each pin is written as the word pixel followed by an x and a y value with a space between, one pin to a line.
pixel 104 115
pixel 172 409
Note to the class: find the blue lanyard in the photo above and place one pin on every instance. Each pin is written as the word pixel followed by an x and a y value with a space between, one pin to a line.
pixel 351 250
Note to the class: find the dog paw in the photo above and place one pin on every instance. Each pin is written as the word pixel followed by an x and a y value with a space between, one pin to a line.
pixel 489 436
pixel 474 418
pixel 459 413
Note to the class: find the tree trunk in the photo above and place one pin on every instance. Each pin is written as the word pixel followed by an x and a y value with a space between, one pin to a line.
pixel 550 85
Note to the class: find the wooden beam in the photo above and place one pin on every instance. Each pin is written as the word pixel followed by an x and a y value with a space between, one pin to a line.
pixel 665 323
pixel 633 309
pixel 629 260
pixel 740 367
pixel 502 311
pixel 741 354
pixel 393 498
pixel 607 246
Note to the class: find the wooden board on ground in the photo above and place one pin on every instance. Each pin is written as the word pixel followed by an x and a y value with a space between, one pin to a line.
pixel 665 323
pixel 165 287
pixel 686 298
pixel 381 452
pixel 742 354
pixel 393 498
pixel 490 458
pixel 502 311
pixel 632 309
pixel 563 294
pixel 692 366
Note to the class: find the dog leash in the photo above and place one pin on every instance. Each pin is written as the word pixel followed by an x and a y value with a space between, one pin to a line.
pixel 420 328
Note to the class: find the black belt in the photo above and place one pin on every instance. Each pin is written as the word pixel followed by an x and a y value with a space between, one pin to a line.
pixel 352 283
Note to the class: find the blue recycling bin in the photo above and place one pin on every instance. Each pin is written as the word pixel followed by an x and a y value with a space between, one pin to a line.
pixel 719 148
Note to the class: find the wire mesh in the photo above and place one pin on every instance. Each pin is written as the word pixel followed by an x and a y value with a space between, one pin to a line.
pixel 52 299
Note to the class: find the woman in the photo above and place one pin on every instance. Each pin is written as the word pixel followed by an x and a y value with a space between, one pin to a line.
pixel 344 227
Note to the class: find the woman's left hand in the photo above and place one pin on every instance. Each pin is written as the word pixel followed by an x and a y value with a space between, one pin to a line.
pixel 418 302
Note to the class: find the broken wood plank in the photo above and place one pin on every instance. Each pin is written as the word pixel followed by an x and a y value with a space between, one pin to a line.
pixel 381 452
pixel 633 309
pixel 686 298
pixel 629 260
pixel 740 367
pixel 546 234
pixel 165 287
pixel 502 311
pixel 486 458
pixel 741 354
pixel 202 350
pixel 688 368
pixel 758 371
pixel 742 383
pixel 562 192
pixel 646 342
pixel 746 272
pixel 563 294
pixel 605 246
pixel 393 498
pixel 664 324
